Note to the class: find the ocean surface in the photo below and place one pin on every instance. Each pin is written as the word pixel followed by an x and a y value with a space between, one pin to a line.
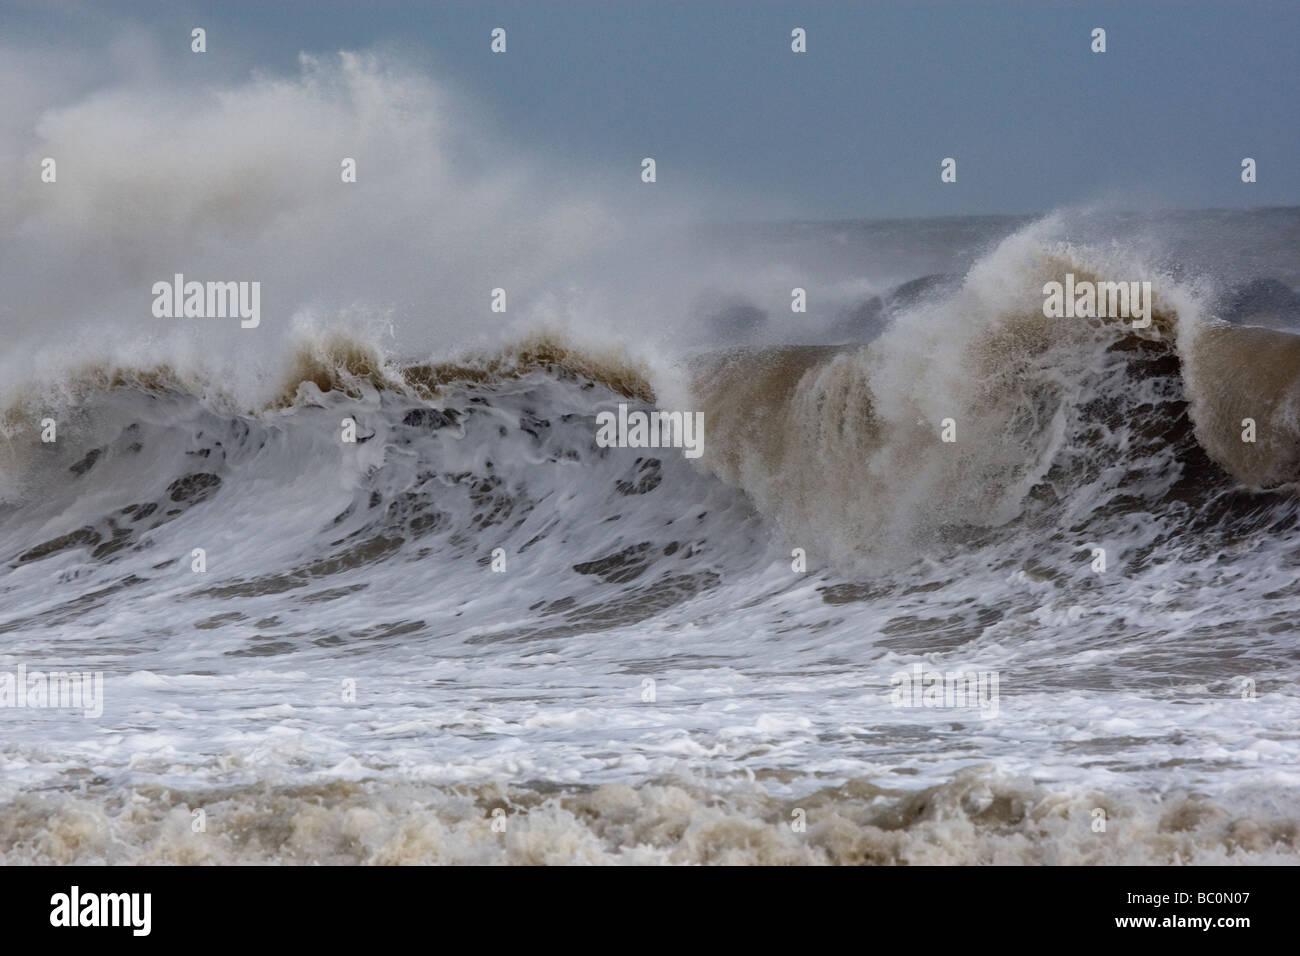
pixel 474 635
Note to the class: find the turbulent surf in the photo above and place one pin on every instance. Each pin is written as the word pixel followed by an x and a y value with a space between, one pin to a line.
pixel 632 656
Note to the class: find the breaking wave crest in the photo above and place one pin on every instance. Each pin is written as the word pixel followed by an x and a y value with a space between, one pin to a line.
pixel 844 447
pixel 841 445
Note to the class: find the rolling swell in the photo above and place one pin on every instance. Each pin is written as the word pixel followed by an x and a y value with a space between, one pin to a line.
pixel 451 463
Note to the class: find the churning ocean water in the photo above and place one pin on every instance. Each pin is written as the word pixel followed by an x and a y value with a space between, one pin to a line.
pixel 475 635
